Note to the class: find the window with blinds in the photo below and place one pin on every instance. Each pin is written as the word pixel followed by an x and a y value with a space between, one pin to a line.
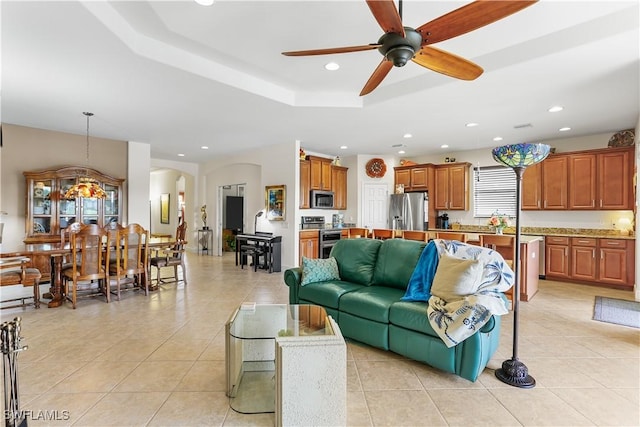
pixel 494 190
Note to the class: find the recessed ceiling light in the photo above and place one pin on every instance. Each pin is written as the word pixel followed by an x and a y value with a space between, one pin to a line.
pixel 444 146
pixel 331 66
pixel 555 109
pixel 204 147
pixel 204 2
pixel 471 125
pixel 564 129
pixel 407 135
pixel 497 138
pixel 343 147
pixel 180 155
pixel 401 152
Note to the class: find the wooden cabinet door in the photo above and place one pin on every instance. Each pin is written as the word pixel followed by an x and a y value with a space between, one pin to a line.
pixel 325 168
pixel 554 183
pixel 305 184
pixel 532 187
pixel 441 201
pixel 419 178
pixel 616 258
pixel 458 187
pixel 403 177
pixel 557 257
pixel 339 187
pixel 315 174
pixel 582 181
pixel 615 180
pixel 308 244
pixel 583 259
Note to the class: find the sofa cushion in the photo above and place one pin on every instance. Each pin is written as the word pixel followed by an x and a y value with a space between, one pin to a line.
pixel 356 259
pixel 411 315
pixel 326 293
pixel 319 270
pixel 396 261
pixel 371 302
pixel 456 277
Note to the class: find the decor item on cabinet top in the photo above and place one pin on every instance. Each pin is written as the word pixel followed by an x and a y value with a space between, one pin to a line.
pixel 303 155
pixel 498 221
pixel 86 187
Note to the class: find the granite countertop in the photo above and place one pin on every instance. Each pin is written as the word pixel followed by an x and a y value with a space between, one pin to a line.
pixel 546 231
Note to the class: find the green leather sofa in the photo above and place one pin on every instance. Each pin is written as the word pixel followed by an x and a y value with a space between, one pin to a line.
pixel 366 304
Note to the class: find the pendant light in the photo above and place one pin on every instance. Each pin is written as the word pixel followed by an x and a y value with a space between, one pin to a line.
pixel 86 187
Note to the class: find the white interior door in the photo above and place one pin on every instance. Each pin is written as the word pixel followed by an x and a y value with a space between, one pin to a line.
pixel 375 205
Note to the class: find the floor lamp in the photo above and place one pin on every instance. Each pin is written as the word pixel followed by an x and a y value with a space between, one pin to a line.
pixel 518 157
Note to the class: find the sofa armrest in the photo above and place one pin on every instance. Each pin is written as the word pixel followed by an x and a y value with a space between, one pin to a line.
pixel 292 278
pixel 488 327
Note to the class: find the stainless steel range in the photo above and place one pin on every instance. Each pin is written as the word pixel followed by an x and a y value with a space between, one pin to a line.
pixel 327 237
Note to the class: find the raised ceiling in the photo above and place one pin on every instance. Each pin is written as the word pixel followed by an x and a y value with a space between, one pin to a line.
pixel 178 75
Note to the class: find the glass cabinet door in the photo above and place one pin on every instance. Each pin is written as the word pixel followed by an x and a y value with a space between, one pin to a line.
pixel 111 204
pixel 67 209
pixel 41 206
pixel 89 211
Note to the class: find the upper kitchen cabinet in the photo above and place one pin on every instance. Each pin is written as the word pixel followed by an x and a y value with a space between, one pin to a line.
pixel 452 186
pixel 48 211
pixel 414 177
pixel 305 184
pixel 339 187
pixel 555 187
pixel 532 187
pixel 320 173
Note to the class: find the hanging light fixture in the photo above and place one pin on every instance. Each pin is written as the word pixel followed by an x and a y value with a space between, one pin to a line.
pixel 518 157
pixel 86 187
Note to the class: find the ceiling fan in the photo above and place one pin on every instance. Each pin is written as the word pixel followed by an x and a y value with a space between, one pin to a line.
pixel 400 44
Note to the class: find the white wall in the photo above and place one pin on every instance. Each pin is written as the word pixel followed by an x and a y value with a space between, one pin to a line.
pixel 138 173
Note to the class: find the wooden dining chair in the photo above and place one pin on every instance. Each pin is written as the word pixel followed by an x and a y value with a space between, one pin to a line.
pixel 447 235
pixel 90 252
pixel 16 271
pixel 505 246
pixel 173 257
pixel 421 236
pixel 129 270
pixel 382 233
pixel 355 232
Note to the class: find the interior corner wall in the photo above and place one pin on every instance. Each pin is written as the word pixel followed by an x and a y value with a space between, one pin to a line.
pixel 138 183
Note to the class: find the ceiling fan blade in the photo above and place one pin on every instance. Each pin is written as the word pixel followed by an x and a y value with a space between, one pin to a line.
pixel 346 49
pixel 376 78
pixel 447 63
pixel 387 16
pixel 468 18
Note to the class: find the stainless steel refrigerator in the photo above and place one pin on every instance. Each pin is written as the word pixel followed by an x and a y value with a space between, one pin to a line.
pixel 409 211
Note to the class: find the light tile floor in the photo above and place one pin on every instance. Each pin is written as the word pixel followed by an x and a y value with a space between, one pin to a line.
pixel 159 361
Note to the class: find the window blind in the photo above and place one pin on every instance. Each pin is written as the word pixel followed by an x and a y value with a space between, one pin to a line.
pixel 494 190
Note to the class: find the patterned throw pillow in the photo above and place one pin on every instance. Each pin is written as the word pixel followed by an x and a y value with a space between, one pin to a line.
pixel 319 270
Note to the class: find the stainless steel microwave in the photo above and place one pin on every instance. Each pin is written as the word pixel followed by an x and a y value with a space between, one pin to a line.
pixel 321 199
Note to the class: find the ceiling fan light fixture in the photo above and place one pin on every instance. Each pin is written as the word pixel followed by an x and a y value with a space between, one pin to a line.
pixel 400 55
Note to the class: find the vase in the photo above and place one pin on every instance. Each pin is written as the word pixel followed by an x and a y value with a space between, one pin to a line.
pixel 498 230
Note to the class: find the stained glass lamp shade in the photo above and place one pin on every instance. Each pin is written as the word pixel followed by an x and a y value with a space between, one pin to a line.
pixel 518 157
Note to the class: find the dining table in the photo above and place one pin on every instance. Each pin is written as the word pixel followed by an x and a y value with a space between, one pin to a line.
pixel 56 253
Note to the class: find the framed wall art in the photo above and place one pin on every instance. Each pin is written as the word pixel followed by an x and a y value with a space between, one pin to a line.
pixel 275 197
pixel 164 208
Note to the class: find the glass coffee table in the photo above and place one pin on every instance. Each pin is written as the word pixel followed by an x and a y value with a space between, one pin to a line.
pixel 274 350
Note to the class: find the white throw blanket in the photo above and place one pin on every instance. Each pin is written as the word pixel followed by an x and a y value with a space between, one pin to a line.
pixel 458 318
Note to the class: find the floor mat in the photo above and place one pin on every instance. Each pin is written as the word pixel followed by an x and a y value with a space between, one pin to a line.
pixel 618 311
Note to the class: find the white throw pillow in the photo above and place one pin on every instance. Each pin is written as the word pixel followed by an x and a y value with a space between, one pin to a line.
pixel 456 278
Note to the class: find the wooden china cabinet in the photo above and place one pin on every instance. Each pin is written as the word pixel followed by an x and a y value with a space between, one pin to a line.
pixel 48 212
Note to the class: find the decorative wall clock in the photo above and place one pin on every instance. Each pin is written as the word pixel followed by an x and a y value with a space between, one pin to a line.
pixel 376 168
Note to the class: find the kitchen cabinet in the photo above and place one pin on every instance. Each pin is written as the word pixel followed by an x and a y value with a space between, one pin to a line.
pixel 532 187
pixel 599 179
pixel 309 244
pixel 414 177
pixel 601 261
pixel 320 174
pixel 557 257
pixel 305 184
pixel 452 186
pixel 583 258
pixel 339 186
pixel 555 185
pixel 48 211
